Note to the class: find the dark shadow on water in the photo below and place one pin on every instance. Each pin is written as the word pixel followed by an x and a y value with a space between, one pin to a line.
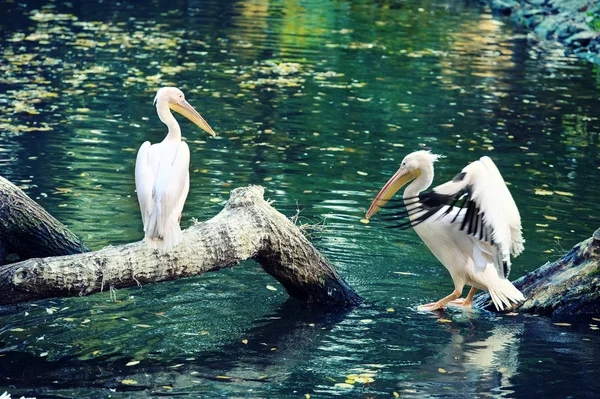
pixel 293 330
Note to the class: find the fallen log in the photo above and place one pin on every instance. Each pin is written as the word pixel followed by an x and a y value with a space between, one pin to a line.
pixel 247 228
pixel 569 286
pixel 28 231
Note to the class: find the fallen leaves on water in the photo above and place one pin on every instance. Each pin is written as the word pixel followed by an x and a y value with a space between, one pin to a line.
pixel 132 363
pixel 271 288
pixel 245 341
pixel 441 370
pixel 564 193
pixel 444 321
pixel 550 217
pixel 562 324
pixel 541 191
pixel 405 273
pixel 364 221
pixel 129 382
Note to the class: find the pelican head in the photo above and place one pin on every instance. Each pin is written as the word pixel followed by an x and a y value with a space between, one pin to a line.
pixel 412 166
pixel 177 102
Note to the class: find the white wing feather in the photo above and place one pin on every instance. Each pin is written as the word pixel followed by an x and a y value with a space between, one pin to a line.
pixel 495 205
pixel 144 181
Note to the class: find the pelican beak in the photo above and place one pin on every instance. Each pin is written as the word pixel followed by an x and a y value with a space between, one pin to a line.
pixel 184 108
pixel 399 179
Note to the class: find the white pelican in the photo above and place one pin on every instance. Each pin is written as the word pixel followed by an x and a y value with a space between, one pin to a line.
pixel 473 241
pixel 162 178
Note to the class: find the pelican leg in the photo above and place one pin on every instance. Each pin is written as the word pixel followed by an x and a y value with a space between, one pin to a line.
pixel 441 303
pixel 464 302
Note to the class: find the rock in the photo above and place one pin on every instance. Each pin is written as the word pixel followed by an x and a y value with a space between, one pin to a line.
pixel 504 7
pixel 582 38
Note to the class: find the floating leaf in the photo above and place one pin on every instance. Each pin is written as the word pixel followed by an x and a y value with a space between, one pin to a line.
pixel 133 363
pixel 405 273
pixel 564 193
pixel 441 370
pixel 18 329
pixel 396 394
pixel 364 221
pixel 391 310
pixel 144 325
pixel 245 341
pixel 129 382
pixel 223 377
pixel 541 191
pixel 444 321
pixel 562 324
pixel 271 288
pixel 362 173
pixel 550 217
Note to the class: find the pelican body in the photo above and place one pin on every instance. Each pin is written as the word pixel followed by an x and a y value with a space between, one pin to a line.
pixel 162 178
pixel 471 224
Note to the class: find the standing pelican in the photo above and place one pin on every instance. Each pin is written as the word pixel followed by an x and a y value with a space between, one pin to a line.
pixel 473 241
pixel 162 178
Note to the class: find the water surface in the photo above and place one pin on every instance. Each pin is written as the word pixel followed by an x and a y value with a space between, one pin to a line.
pixel 318 101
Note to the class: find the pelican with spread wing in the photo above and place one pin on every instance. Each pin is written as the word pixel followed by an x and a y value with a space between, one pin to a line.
pixel 162 178
pixel 471 224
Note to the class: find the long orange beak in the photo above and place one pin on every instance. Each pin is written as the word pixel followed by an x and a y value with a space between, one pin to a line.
pixel 397 181
pixel 184 108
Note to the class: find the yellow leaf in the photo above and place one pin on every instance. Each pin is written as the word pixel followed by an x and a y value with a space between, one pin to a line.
pixel 245 341
pixel 564 193
pixel 541 191
pixel 362 173
pixel 364 221
pixel 562 324
pixel 550 217
pixel 405 273
pixel 18 329
pixel 390 310
pixel 445 321
pixel 133 363
pixel 168 387
pixel 271 288
pixel 95 352
pixel 129 382
pixel 144 325
pixel 396 394
pixel 441 370
pixel 223 377
pixel 307 396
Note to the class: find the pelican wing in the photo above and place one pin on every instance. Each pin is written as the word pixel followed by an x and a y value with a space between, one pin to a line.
pixel 144 181
pixel 171 185
pixel 478 201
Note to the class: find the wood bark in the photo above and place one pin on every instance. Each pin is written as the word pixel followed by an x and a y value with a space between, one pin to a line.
pixel 247 228
pixel 28 231
pixel 569 286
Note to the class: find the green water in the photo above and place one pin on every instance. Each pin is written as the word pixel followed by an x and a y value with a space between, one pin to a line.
pixel 318 101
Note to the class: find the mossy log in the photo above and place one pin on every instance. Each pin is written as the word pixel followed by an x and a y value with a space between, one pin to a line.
pixel 569 286
pixel 247 228
pixel 28 231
